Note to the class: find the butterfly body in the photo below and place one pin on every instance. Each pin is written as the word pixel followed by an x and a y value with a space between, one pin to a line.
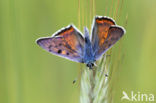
pixel 69 42
pixel 88 57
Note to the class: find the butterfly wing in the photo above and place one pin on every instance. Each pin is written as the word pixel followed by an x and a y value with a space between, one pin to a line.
pixel 100 29
pixel 104 35
pixel 67 43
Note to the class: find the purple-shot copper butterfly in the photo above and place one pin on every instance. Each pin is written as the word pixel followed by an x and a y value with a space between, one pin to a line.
pixel 69 42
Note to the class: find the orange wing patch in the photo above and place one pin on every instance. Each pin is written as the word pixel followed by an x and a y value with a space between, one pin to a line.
pixel 70 38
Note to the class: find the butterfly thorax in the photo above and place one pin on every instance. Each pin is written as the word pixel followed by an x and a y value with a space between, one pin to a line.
pixel 88 57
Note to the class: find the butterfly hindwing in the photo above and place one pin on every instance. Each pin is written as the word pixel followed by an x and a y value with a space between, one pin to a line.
pixel 67 43
pixel 114 34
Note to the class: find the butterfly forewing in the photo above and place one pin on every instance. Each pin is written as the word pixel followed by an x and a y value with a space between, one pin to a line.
pixel 67 43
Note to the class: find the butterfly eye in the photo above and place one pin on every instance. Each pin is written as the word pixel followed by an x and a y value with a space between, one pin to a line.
pixel 92 64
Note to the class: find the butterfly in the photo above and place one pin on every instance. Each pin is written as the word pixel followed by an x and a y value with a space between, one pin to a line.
pixel 69 42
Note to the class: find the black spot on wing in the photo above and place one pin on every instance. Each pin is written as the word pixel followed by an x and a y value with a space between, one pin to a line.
pixel 59 51
pixel 67 53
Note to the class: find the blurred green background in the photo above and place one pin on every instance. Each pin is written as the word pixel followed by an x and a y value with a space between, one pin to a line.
pixel 28 74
